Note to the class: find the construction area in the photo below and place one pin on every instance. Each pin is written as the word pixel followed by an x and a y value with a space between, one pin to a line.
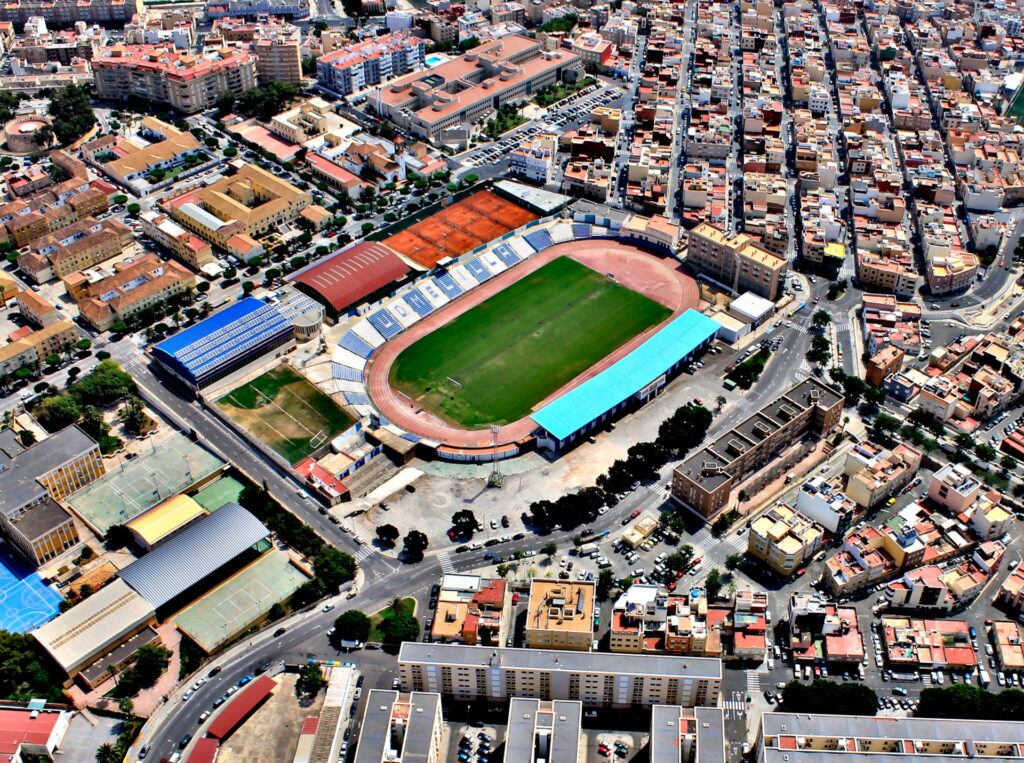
pixel 459 228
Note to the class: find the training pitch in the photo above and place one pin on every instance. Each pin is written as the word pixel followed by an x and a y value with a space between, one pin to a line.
pixel 286 412
pixel 495 362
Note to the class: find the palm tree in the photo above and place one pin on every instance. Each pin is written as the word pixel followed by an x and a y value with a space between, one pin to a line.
pixel 106 753
pixel 846 420
pixel 720 401
pixel 126 705
pixel 112 670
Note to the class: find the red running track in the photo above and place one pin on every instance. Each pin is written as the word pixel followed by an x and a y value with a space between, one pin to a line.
pixel 661 279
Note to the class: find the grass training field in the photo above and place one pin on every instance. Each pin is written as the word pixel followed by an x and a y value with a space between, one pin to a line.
pixel 286 412
pixel 510 352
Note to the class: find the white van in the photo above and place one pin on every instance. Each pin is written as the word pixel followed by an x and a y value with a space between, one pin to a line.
pixel 983 677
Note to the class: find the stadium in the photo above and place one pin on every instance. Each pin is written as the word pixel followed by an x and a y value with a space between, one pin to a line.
pixel 533 339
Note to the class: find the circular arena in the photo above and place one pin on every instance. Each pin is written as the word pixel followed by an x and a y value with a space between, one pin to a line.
pixel 465 358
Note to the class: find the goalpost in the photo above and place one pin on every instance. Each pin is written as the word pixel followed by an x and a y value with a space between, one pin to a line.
pixel 454 383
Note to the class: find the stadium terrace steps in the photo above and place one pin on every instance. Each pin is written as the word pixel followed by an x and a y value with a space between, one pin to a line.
pixel 506 254
pixel 419 303
pixel 346 373
pixel 367 333
pixel 561 233
pixel 404 314
pixel 447 284
pixel 356 398
pixel 493 263
pixel 344 357
pixel 478 271
pixel 354 343
pixel 539 240
pixel 385 323
pixel 462 277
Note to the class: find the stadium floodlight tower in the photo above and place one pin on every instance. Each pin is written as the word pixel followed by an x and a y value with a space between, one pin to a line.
pixel 496 477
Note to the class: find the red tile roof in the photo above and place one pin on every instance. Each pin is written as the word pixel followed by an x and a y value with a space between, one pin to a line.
pixel 346 278
pixel 239 708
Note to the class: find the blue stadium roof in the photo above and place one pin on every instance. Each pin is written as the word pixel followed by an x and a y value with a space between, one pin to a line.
pixel 237 330
pixel 627 376
pixel 176 565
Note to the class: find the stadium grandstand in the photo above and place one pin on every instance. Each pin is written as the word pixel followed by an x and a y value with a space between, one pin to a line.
pixel 351 276
pixel 195 555
pixel 631 381
pixel 241 333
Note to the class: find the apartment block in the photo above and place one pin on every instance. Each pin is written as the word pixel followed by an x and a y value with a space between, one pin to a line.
pixel 535 159
pixel 187 82
pixel 876 473
pixel 560 614
pixel 823 738
pixel 467 89
pixel 705 480
pixel 36 310
pixel 134 286
pixel 127 160
pixel 400 727
pixel 1011 590
pixel 1008 640
pixel 824 502
pixel 25 220
pixel 544 730
pixel 187 247
pixel 33 479
pixel 684 735
pixel 239 208
pixel 73 248
pixel 912 643
pixel 33 348
pixel 370 63
pixel 784 539
pixel 821 630
pixel 597 679
pixel 954 487
pixel 66 12
pixel 737 262
pixel 276 44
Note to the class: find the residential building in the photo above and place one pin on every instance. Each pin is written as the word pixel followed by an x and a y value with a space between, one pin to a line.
pixel 370 62
pixel 277 46
pixel 187 247
pixel 876 473
pixel 822 631
pixel 293 10
pixel 825 503
pixel 32 349
pixel 58 206
pixel 1011 590
pixel 560 614
pixel 33 479
pixel 737 262
pixel 504 71
pixel 824 738
pixel 597 679
pixel 1008 642
pixel 402 728
pixel 239 208
pixel 186 82
pixel 60 13
pixel 954 487
pixel 706 479
pixel 679 735
pixel 153 26
pixel 159 146
pixel 136 285
pixel 535 159
pixel 911 644
pixel 470 610
pixel 638 620
pixel 922 588
pixel 543 730
pixel 75 247
pixel 36 310
pixel 784 539
pixel 307 121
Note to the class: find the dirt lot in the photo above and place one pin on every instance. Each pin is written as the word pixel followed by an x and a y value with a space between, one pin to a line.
pixel 272 733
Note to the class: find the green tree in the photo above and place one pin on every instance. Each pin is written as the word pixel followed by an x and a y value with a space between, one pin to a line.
pixel 150 662
pixel 685 429
pixel 679 560
pixel 388 534
pixel 334 568
pixel 311 679
pixel 733 561
pixel 24 673
pixel 106 753
pixel 352 625
pixel 713 583
pixel 103 385
pixel 464 522
pixel 93 423
pixel 831 698
pixel 120 199
pixel 821 319
pixel 400 627
pixel 126 705
pixel 265 101
pixel 605 581
pixel 230 152
pixel 986 453
pixel 82 345
pixel 57 412
pixel 415 543
pixel 71 113
pixel 134 416
pixel 549 549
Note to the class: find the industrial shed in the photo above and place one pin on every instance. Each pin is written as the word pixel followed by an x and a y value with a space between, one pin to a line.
pixel 200 550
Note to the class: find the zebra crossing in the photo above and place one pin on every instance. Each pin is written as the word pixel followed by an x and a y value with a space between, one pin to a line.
pixel 709 541
pixel 735 705
pixel 365 552
pixel 446 563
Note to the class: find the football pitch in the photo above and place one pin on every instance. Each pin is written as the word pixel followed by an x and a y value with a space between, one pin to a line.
pixel 495 362
pixel 286 412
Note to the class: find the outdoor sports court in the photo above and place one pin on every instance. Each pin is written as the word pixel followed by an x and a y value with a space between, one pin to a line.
pixel 26 602
pixel 162 470
pixel 459 228
pixel 283 410
pixel 238 602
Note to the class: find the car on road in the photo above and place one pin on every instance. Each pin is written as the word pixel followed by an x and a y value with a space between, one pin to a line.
pixel 184 741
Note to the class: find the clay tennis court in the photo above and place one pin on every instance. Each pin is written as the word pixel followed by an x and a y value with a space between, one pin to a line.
pixel 459 228
pixel 661 279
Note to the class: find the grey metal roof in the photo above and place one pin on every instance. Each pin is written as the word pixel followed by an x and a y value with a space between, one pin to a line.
pixel 21 468
pixel 185 559
pixel 555 660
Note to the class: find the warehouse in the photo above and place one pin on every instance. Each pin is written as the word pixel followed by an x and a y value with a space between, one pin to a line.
pixel 228 340
pixel 164 519
pixel 198 556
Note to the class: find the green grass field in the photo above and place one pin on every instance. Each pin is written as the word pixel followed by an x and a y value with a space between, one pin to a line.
pixel 286 412
pixel 1016 108
pixel 516 348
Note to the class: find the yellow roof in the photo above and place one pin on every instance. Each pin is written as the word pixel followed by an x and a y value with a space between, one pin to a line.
pixel 164 518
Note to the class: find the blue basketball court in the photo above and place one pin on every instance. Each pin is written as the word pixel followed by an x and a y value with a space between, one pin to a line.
pixel 26 602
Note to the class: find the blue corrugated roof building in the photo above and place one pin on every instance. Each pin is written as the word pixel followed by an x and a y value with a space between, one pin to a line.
pixel 611 389
pixel 201 549
pixel 225 341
